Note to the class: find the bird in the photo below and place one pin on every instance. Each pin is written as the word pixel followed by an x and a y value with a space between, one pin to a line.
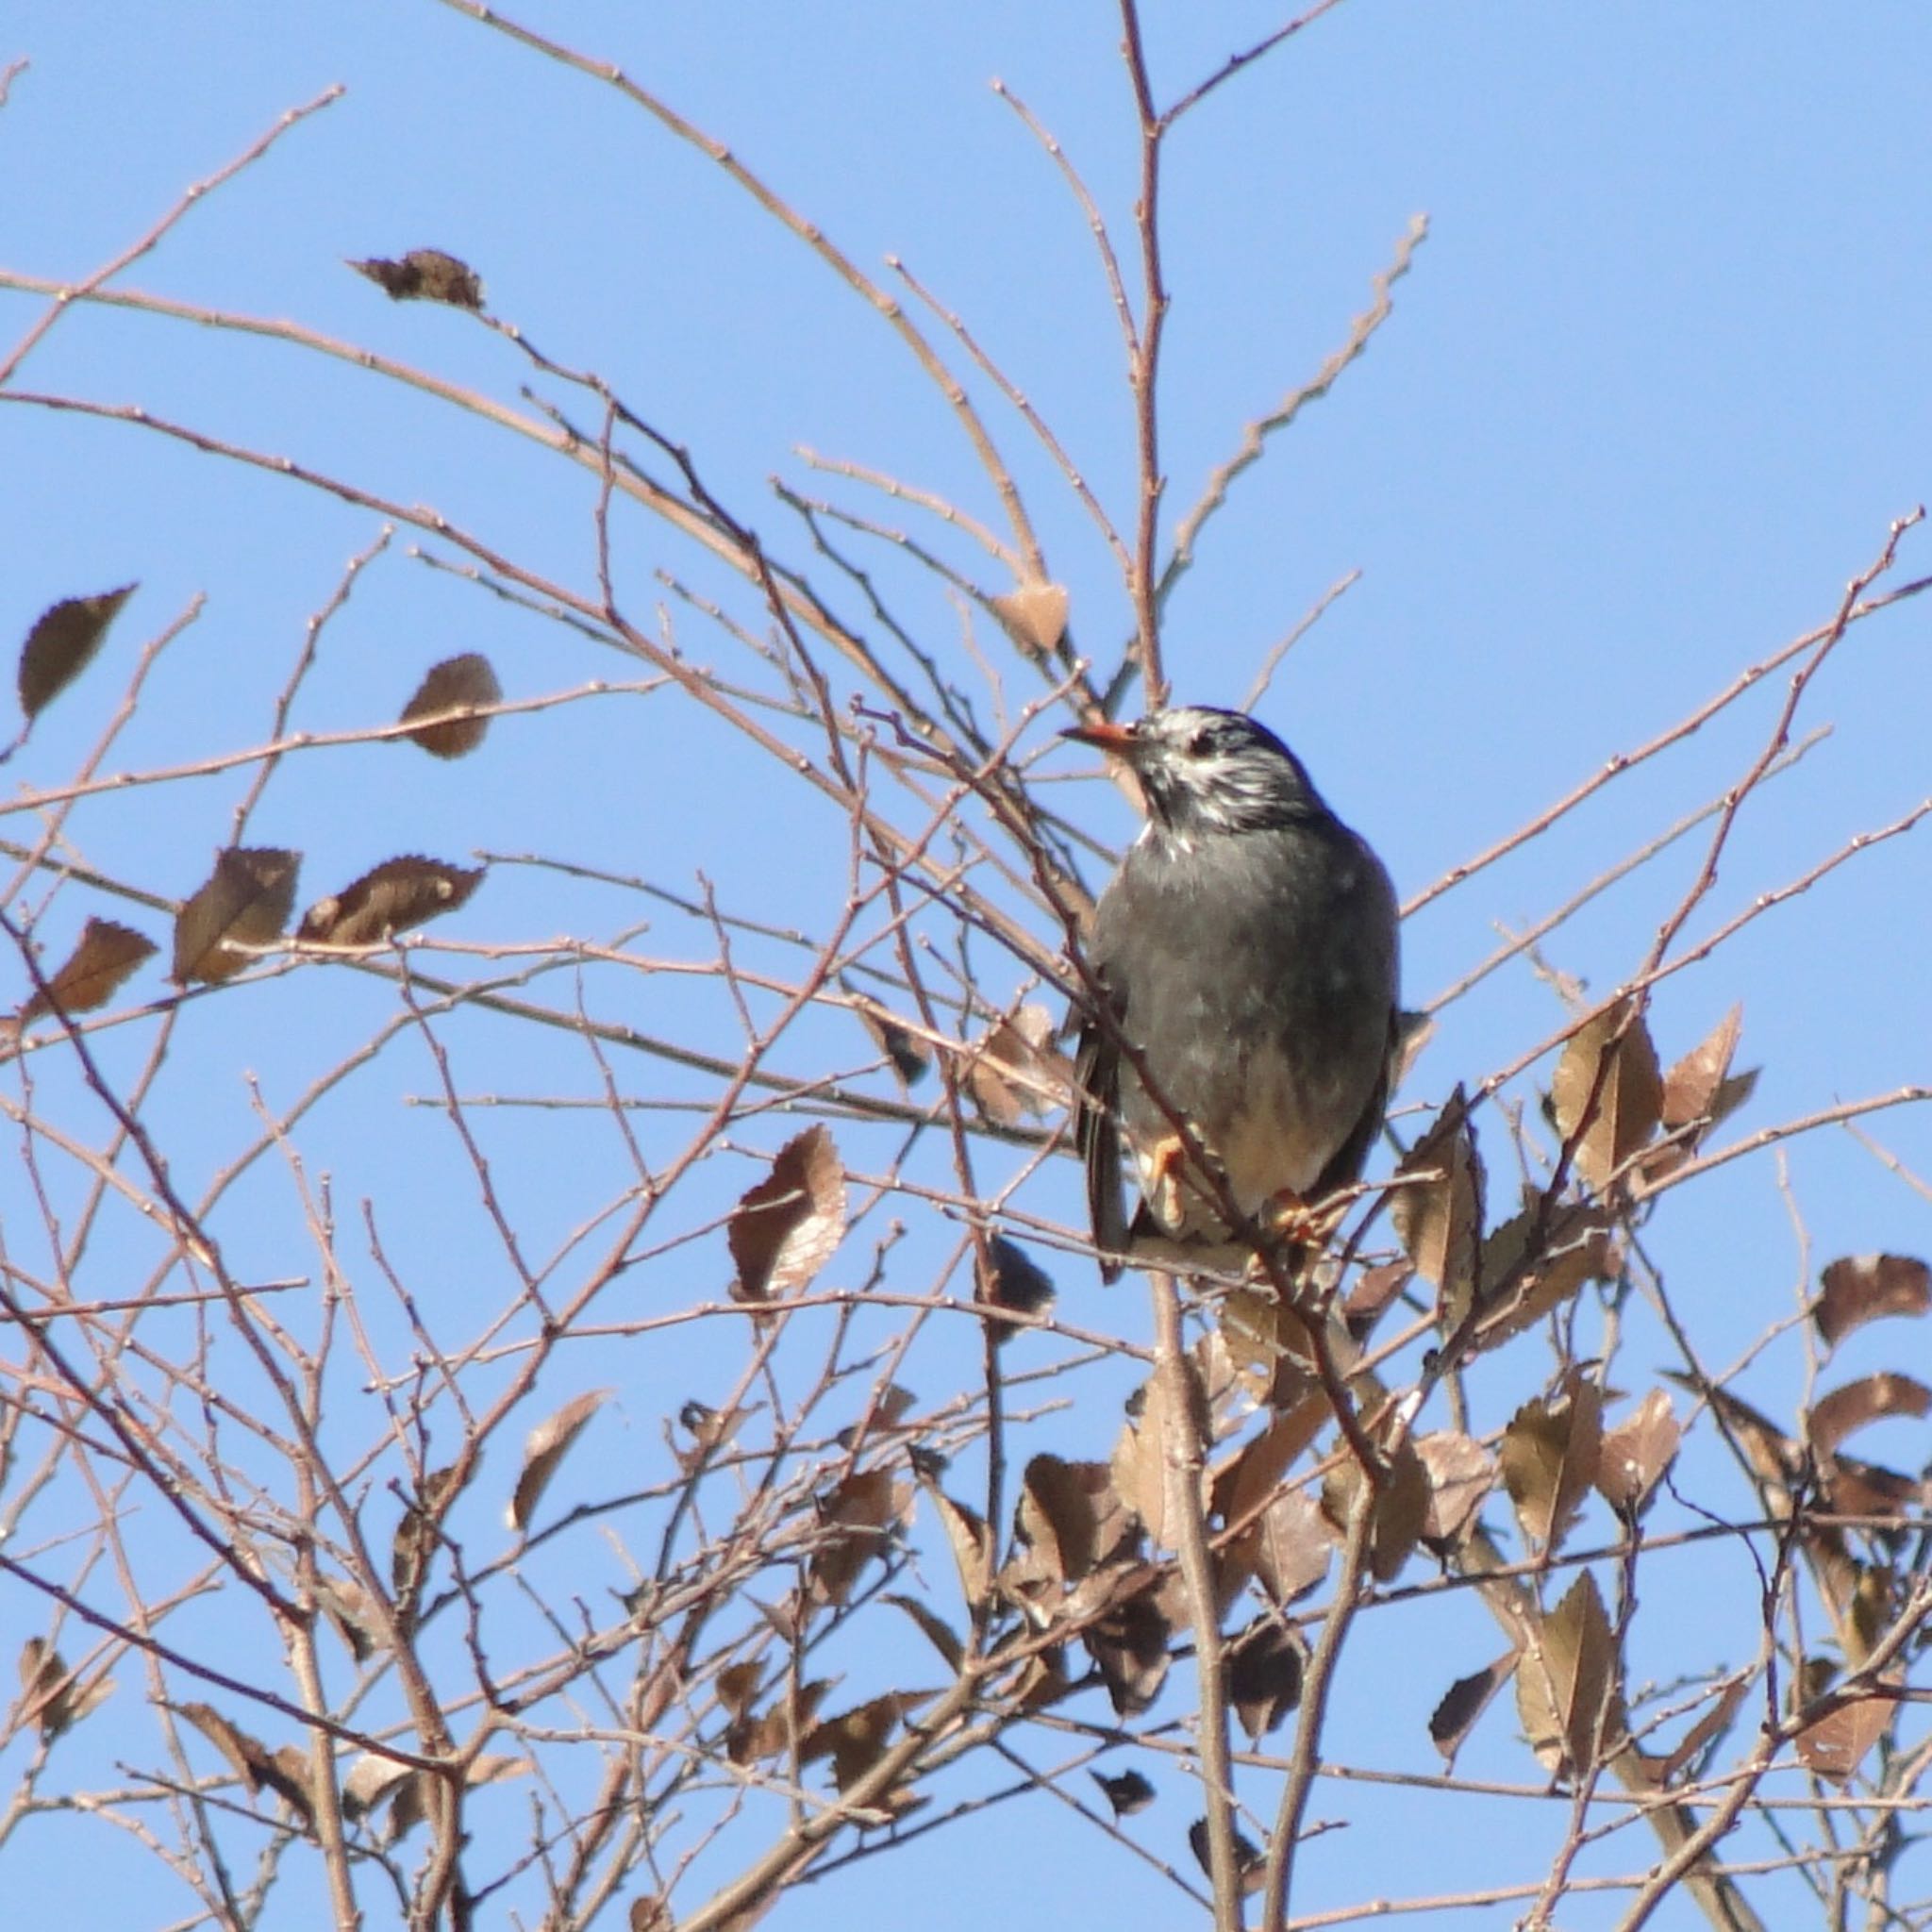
pixel 1243 966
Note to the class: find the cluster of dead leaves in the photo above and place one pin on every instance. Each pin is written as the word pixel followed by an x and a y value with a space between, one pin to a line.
pixel 241 911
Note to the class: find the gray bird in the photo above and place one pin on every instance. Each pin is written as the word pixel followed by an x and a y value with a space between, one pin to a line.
pixel 1246 950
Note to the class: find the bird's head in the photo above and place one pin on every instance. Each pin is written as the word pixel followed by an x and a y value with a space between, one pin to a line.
pixel 1206 771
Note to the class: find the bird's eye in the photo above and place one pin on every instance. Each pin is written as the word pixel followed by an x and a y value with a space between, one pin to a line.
pixel 1202 744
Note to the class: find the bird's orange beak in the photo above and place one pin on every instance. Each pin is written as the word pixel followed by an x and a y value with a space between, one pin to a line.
pixel 1114 739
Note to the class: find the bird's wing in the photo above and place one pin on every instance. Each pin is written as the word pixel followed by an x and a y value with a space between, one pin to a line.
pixel 1345 1165
pixel 1097 1133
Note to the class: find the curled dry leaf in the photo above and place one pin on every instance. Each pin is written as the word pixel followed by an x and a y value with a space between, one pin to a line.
pixel 353 1611
pixel 467 683
pixel 284 1772
pixel 370 1779
pixel 1013 1281
pixel 62 644
pixel 1549 1459
pixel 1861 1288
pixel 939 1633
pixel 545 1447
pixel 1071 1516
pixel 1567 1693
pixel 1128 1791
pixel 416 1537
pixel 51 1697
pixel 757 1740
pixel 99 964
pixel 1460 1473
pixel 1264 1674
pixel 247 902
pixel 1464 1702
pixel 908 1054
pixel 424 275
pixel 388 899
pixel 1129 1644
pixel 1698 1092
pixel 1250 1862
pixel 1607 1093
pixel 1633 1456
pixel 857 1518
pixel 1035 615
pixel 1142 1460
pixel 970 1537
pixel 857 1739
pixel 785 1229
pixel 1016 1071
pixel 1710 1726
pixel 1835 1744
pixel 1439 1222
pixel 1248 1479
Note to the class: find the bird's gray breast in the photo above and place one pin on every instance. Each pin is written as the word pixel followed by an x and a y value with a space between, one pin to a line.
pixel 1256 977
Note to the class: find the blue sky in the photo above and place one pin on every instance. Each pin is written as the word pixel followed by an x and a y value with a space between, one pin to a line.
pixel 1653 391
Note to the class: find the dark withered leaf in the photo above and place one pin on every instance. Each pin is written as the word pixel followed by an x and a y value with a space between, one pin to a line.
pixel 1607 1092
pixel 350 1608
pixel 1289 1548
pixel 62 644
pixel 939 1633
pixel 1014 1280
pixel 1070 1516
pixel 107 955
pixel 1861 1288
pixel 1711 1723
pixel 284 1772
pixel 247 902
pixel 1250 1862
pixel 424 275
pixel 464 683
pixel 1128 1791
pixel 1130 1644
pixel 787 1228
pixel 1400 1508
pixel 388 899
pixel 416 1535
pixel 970 1537
pixel 546 1446
pixel 1464 1702
pixel 908 1055
pixel 1016 1070
pixel 1264 1676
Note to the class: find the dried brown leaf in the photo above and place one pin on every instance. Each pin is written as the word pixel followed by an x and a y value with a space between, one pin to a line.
pixel 247 902
pixel 1264 1676
pixel 1289 1549
pixel 1128 1644
pixel 1835 1744
pixel 757 1740
pixel 1439 1222
pixel 939 1633
pixel 1016 1071
pixel 51 1697
pixel 1633 1456
pixel 856 1740
pixel 1461 1472
pixel 1861 1288
pixel 970 1537
pixel 1549 1459
pixel 1537 1260
pixel 1248 1479
pixel 1566 1682
pixel 1015 1281
pixel 909 1057
pixel 106 956
pixel 1464 1702
pixel 354 1613
pixel 284 1772
pixel 370 1779
pixel 417 1534
pixel 1071 1516
pixel 1250 1861
pixel 464 684
pixel 1035 615
pixel 1693 1087
pixel 545 1447
pixel 1870 1399
pixel 388 899
pixel 1711 1725
pixel 424 275
pixel 788 1226
pixel 857 1517
pixel 1128 1791
pixel 1401 1508
pixel 737 1686
pixel 62 644
pixel 1142 1463
pixel 1607 1092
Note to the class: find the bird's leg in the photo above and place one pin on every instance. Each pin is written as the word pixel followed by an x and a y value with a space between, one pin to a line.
pixel 1163 1175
